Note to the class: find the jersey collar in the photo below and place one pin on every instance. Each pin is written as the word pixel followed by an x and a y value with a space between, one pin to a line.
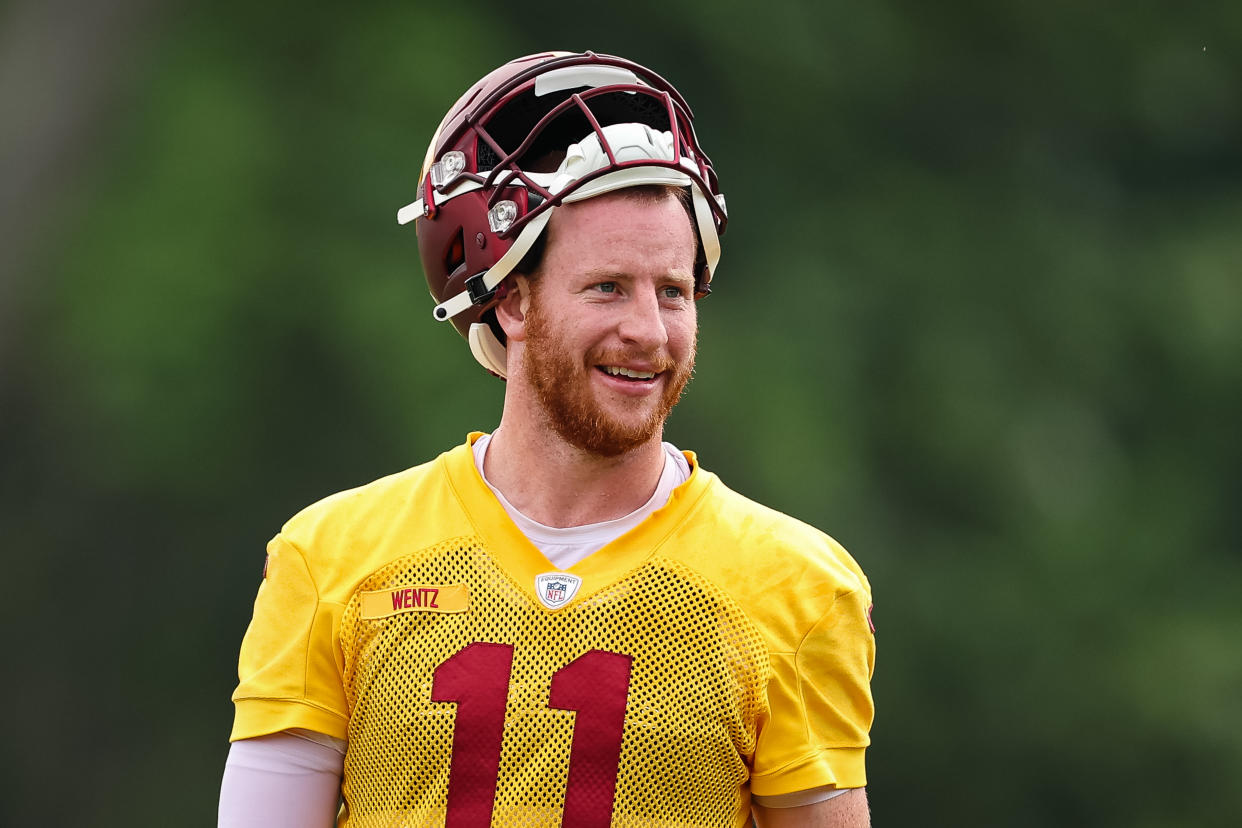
pixel 522 561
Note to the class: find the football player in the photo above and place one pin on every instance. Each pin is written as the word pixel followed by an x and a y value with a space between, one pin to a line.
pixel 565 622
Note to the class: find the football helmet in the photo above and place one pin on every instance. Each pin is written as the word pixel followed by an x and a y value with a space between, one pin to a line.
pixel 540 131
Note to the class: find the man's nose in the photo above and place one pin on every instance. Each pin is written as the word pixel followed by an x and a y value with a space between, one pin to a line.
pixel 643 322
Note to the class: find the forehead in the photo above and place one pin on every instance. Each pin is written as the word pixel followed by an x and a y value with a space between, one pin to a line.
pixel 622 231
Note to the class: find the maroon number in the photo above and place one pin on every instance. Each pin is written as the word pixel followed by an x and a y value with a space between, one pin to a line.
pixel 595 685
pixel 477 678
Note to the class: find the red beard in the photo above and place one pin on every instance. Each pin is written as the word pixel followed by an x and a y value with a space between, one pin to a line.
pixel 564 391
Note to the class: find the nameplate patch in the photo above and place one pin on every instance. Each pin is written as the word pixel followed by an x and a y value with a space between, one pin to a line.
pixel 443 598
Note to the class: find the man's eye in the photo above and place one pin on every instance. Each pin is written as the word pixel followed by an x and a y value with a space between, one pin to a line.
pixel 607 287
pixel 673 292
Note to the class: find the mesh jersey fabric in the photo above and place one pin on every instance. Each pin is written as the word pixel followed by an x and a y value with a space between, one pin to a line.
pixel 718 649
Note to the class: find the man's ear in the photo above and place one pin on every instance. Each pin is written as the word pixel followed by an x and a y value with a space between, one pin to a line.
pixel 512 309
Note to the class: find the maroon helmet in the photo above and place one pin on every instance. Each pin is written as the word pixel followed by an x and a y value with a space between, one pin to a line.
pixel 540 131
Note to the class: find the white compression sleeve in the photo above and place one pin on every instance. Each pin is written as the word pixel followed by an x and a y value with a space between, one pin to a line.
pixel 799 798
pixel 280 781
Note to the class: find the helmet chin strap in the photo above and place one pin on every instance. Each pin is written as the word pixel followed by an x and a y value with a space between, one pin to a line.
pixel 496 273
pixel 486 348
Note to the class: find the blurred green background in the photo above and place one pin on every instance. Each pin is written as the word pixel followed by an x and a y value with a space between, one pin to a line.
pixel 979 317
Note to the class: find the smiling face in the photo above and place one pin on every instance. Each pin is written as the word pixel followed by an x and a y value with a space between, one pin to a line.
pixel 607 339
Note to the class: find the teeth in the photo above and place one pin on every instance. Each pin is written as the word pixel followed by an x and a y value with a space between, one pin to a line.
pixel 617 371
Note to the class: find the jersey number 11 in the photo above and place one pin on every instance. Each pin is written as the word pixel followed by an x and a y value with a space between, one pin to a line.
pixel 595 685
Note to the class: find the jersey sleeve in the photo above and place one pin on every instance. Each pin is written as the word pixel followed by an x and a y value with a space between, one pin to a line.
pixel 290 666
pixel 820 705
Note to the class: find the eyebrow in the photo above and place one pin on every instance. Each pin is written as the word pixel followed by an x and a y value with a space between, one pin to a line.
pixel 604 274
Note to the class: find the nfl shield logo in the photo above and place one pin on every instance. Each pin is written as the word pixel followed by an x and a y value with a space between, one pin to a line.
pixel 556 589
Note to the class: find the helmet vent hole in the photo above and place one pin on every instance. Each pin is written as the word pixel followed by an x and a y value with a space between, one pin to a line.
pixel 455 255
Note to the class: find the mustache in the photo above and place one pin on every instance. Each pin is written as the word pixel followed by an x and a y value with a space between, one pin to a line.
pixel 658 362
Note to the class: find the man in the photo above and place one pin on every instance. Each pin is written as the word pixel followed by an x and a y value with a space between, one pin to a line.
pixel 566 622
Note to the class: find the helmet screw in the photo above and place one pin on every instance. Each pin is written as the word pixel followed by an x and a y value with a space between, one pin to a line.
pixel 480 240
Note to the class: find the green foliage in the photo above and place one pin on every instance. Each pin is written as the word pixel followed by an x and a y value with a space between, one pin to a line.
pixel 979 316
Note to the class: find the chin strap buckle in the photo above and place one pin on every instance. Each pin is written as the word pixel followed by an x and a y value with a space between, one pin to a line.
pixel 476 293
pixel 477 289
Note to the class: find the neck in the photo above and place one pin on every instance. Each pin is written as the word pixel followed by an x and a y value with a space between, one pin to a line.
pixel 559 485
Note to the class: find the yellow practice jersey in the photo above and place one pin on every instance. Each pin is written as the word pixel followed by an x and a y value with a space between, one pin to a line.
pixel 719 649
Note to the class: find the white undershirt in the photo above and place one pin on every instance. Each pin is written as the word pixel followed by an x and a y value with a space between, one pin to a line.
pixel 292 779
pixel 564 547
